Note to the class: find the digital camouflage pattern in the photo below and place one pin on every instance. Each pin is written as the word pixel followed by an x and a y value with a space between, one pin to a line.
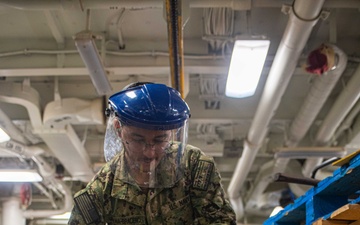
pixel 198 198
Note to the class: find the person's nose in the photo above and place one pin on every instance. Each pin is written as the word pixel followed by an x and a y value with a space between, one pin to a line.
pixel 149 151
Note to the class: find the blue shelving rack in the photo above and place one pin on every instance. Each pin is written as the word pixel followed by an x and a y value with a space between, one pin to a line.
pixel 321 201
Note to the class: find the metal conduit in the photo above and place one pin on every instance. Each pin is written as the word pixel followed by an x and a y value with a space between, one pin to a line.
pixel 303 17
pixel 175 40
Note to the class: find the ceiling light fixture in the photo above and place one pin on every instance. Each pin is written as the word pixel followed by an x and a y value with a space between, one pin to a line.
pixel 3 136
pixel 85 43
pixel 19 175
pixel 247 61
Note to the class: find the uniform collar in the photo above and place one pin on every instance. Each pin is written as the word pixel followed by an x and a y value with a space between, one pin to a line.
pixel 124 185
pixel 123 190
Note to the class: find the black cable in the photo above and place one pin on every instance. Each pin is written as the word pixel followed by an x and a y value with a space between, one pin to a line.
pixel 325 163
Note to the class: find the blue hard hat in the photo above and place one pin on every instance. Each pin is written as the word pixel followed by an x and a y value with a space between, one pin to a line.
pixel 150 106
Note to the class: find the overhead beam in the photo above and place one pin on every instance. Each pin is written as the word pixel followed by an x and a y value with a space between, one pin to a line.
pixel 121 71
pixel 144 4
pixel 55 27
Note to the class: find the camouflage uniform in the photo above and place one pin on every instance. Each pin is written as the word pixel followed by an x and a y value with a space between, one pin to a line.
pixel 198 198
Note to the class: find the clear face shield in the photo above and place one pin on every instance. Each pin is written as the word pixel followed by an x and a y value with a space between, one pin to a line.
pixel 148 158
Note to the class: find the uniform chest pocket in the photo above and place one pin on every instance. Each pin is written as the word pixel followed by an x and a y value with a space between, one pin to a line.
pixel 124 212
pixel 133 220
pixel 178 212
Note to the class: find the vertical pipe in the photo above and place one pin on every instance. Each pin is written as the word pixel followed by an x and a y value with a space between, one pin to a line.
pixel 304 15
pixel 175 40
pixel 11 212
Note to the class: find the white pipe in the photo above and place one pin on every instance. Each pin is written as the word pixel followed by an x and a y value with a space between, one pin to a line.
pixel 342 106
pixel 13 131
pixel 315 99
pixel 46 193
pixel 68 204
pixel 312 105
pixel 294 39
pixel 24 95
pixel 348 121
pixel 12 213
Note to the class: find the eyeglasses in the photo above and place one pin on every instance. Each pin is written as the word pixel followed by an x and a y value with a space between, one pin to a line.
pixel 141 145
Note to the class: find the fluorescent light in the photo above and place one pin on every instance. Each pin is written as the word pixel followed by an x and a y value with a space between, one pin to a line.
pixel 247 61
pixel 85 43
pixel 3 136
pixel 19 175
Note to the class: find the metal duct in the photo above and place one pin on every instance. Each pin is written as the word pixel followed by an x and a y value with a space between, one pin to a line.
pixel 315 99
pixel 63 142
pixel 342 106
pixel 311 107
pixel 302 18
pixel 59 113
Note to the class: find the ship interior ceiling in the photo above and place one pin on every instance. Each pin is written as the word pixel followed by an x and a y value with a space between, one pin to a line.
pixel 297 120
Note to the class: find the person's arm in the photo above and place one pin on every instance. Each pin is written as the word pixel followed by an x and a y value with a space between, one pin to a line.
pixel 207 193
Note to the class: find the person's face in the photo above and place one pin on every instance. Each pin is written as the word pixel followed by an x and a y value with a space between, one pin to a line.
pixel 144 148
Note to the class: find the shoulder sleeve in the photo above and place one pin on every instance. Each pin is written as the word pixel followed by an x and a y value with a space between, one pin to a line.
pixel 89 203
pixel 207 193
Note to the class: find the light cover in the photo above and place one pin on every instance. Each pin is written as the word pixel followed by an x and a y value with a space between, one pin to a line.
pixel 3 136
pixel 85 44
pixel 247 61
pixel 19 175
pixel 64 216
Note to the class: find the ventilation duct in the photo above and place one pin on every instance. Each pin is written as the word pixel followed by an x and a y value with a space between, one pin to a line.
pixel 74 111
pixel 342 106
pixel 63 142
